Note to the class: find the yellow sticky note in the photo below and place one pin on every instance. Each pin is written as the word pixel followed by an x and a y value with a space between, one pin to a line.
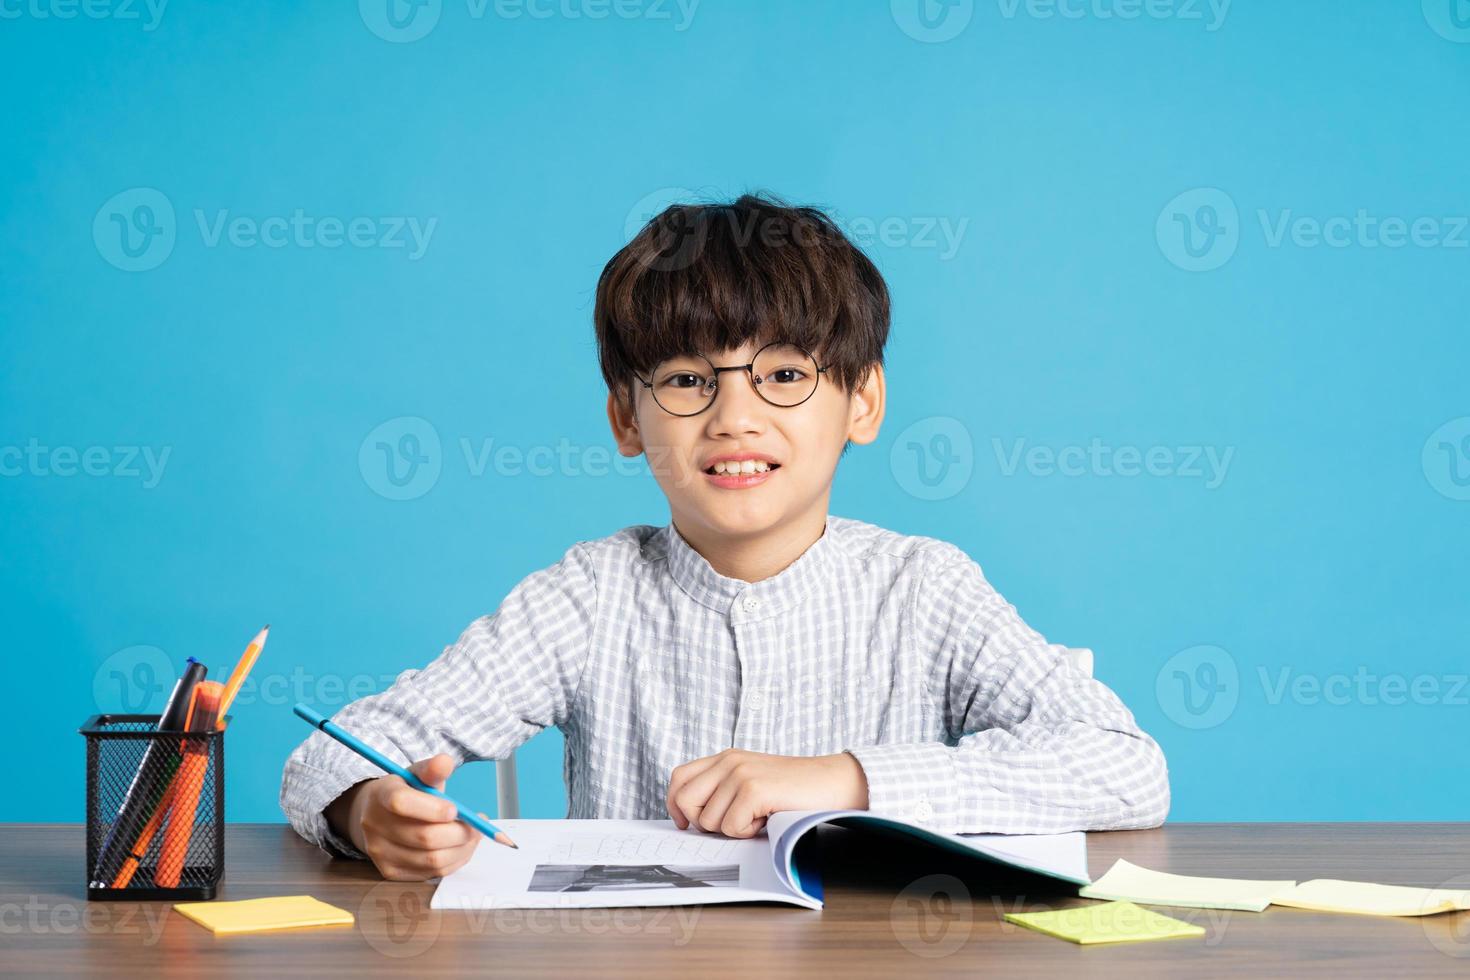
pixel 1110 922
pixel 1129 882
pixel 1365 898
pixel 261 914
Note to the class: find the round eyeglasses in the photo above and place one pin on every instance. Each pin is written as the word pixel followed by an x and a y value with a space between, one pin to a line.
pixel 783 374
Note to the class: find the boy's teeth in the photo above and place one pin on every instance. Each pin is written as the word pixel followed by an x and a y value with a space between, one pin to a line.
pixel 731 466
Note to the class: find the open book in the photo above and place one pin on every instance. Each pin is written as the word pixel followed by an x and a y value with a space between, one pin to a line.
pixel 610 863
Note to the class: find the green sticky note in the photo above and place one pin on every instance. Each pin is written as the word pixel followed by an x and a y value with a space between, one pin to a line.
pixel 1109 922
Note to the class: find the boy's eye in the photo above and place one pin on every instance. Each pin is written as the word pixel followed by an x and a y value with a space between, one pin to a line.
pixel 787 376
pixel 683 379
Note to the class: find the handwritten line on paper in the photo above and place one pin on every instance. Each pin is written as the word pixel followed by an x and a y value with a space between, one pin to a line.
pixel 640 848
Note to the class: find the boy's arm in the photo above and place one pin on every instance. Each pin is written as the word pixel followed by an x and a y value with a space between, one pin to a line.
pixel 508 676
pixel 1042 748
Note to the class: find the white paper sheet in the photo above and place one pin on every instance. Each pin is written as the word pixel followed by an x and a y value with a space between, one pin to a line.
pixel 611 864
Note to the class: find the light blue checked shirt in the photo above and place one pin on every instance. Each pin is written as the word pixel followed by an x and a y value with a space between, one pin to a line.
pixel 893 647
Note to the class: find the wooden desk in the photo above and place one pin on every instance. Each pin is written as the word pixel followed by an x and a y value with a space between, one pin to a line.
pixel 888 920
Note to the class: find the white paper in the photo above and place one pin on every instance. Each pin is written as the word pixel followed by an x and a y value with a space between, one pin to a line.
pixel 612 864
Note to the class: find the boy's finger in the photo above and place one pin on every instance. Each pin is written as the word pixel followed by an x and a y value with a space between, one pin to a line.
pixel 712 814
pixel 425 836
pixel 693 798
pixel 682 774
pixel 739 819
pixel 404 801
pixel 695 792
pixel 435 770
pixel 680 818
pixel 427 864
pixel 683 805
pixel 679 782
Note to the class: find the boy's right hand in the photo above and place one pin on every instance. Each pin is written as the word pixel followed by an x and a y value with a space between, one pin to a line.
pixel 407 833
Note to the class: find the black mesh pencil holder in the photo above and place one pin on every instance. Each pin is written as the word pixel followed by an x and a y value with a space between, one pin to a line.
pixel 155 810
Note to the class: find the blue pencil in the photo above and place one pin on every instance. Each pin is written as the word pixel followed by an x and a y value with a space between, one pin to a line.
pixel 316 720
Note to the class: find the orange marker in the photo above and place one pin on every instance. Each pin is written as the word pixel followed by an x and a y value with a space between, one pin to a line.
pixel 187 786
pixel 247 661
pixel 140 849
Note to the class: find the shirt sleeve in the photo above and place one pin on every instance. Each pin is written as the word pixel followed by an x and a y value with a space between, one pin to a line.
pixel 1034 745
pixel 508 676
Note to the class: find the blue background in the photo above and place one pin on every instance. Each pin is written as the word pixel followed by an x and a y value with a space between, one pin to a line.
pixel 1335 546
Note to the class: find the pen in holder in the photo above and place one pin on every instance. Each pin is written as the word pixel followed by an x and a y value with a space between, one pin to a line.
pixel 155 809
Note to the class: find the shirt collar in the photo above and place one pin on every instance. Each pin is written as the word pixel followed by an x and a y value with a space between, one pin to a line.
pixel 746 600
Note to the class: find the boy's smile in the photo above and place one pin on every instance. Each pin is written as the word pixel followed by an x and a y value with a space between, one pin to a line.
pixel 739 471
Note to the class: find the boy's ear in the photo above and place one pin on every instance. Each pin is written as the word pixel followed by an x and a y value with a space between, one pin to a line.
pixel 866 407
pixel 624 422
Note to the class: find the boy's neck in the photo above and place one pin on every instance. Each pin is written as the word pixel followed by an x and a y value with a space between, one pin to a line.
pixel 751 559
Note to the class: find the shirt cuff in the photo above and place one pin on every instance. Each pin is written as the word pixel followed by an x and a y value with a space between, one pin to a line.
pixel 306 792
pixel 915 782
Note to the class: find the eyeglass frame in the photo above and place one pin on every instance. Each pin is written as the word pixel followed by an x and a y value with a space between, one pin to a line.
pixel 749 370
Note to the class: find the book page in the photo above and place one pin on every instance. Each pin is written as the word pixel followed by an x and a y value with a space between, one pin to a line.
pixel 1062 856
pixel 610 864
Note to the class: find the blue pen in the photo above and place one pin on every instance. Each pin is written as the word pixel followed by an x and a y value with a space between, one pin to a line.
pixel 316 720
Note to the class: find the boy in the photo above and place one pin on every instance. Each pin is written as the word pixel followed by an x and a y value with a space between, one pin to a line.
pixel 755 654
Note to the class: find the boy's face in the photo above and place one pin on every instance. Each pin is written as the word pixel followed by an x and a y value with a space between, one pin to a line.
pixel 804 441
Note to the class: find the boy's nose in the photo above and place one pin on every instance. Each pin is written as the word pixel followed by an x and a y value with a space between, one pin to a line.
pixel 737 407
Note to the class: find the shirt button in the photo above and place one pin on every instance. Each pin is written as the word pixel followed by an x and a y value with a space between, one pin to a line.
pixel 751 603
pixel 756 701
pixel 923 811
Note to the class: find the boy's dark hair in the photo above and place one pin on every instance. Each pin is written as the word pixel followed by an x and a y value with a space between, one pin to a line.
pixel 707 277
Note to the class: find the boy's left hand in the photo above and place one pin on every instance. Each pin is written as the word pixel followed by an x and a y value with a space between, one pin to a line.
pixel 733 792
